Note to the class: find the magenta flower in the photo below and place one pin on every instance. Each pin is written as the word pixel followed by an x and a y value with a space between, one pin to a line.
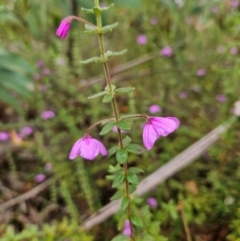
pixel 47 114
pixel 156 127
pixel 127 229
pixel 154 109
pixel 40 178
pixel 166 51
pixel 201 72
pixel 152 202
pixel 234 50
pixel 221 98
pixel 25 131
pixel 63 28
pixel 88 148
pixel 4 136
pixel 142 39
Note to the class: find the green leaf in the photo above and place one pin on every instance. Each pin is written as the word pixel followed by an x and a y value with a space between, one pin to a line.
pixel 109 28
pixel 123 125
pixel 97 95
pixel 106 8
pixel 135 148
pixel 108 98
pixel 114 54
pixel 90 29
pixel 117 195
pixel 132 188
pixel 132 178
pixel 93 59
pixel 118 179
pixel 122 156
pixel 122 221
pixel 126 141
pixel 107 128
pixel 121 237
pixel 136 220
pixel 124 90
pixel 135 170
pixel 86 10
pixel 124 203
pixel 147 237
pixel 112 151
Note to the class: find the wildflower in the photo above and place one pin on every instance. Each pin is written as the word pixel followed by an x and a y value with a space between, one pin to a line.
pixel 183 95
pixel 156 127
pixel 234 50
pixel 152 202
pixel 166 51
pixel 142 39
pixel 88 148
pixel 221 98
pixel 154 21
pixel 234 3
pixel 127 229
pixel 154 109
pixel 201 72
pixel 48 166
pixel 46 71
pixel 40 64
pixel 25 131
pixel 4 136
pixel 63 28
pixel 47 114
pixel 40 178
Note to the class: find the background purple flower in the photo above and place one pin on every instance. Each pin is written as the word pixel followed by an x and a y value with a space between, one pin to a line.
pixel 154 21
pixel 221 98
pixel 39 178
pixel 142 39
pixel 25 131
pixel 154 109
pixel 234 3
pixel 40 64
pixel 201 72
pixel 47 114
pixel 48 167
pixel 127 229
pixel 152 202
pixel 183 95
pixel 46 71
pixel 234 50
pixel 166 51
pixel 4 136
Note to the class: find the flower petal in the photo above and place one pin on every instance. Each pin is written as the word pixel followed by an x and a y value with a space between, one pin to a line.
pixel 149 136
pixel 164 126
pixel 75 151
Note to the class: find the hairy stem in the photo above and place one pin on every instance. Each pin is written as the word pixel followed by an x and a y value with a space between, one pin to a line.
pixel 115 112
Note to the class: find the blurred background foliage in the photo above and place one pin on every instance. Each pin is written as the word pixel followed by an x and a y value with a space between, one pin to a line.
pixel 39 73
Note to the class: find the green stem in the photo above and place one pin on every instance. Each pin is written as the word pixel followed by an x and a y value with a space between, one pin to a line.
pixel 115 112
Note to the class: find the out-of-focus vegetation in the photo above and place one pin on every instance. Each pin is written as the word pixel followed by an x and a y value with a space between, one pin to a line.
pixel 198 83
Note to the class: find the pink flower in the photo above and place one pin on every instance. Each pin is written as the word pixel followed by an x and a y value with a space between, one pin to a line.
pixel 154 109
pixel 48 166
pixel 4 136
pixel 201 72
pixel 166 51
pixel 88 148
pixel 127 229
pixel 142 39
pixel 25 131
pixel 154 21
pixel 63 28
pixel 234 3
pixel 47 114
pixel 234 50
pixel 40 64
pixel 46 71
pixel 221 98
pixel 214 9
pixel 40 178
pixel 156 127
pixel 152 202
pixel 183 95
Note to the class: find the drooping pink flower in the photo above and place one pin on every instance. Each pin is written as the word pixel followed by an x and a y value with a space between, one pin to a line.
pixel 152 202
pixel 63 28
pixel 156 127
pixel 25 131
pixel 4 136
pixel 47 114
pixel 127 229
pixel 40 178
pixel 201 72
pixel 221 98
pixel 142 39
pixel 166 51
pixel 154 109
pixel 88 148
